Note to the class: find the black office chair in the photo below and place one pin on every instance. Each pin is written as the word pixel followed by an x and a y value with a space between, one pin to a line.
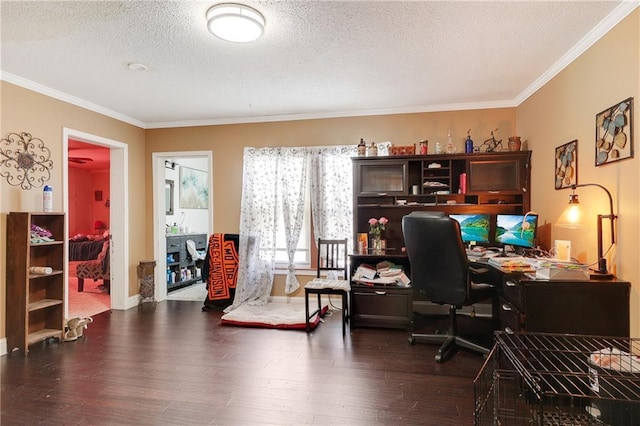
pixel 440 270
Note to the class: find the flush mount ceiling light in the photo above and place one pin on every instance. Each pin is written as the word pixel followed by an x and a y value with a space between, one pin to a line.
pixel 235 22
pixel 135 66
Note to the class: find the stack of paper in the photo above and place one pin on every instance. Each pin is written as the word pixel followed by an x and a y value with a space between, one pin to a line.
pixel 552 269
pixel 390 271
pixel 512 264
pixel 364 271
pixel 387 275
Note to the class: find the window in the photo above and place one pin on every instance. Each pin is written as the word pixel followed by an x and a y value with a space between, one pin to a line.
pixel 272 174
pixel 302 257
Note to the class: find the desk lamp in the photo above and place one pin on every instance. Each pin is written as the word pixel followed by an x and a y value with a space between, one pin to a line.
pixel 571 218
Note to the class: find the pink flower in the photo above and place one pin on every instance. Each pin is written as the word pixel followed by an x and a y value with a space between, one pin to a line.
pixel 376 226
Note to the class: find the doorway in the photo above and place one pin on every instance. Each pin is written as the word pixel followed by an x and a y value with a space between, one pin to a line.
pixel 118 207
pixel 167 166
pixel 89 222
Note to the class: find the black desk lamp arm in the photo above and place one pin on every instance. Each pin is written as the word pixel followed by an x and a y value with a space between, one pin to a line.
pixel 602 263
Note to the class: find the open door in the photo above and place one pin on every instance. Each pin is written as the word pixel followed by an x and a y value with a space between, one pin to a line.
pixel 89 221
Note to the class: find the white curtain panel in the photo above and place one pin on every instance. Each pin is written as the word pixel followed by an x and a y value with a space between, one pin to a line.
pixel 293 174
pixel 332 192
pixel 258 221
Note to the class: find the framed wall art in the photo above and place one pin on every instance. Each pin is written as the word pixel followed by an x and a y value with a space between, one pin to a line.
pixel 614 133
pixel 567 165
pixel 194 188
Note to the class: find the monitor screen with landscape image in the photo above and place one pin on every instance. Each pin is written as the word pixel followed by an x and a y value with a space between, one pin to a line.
pixel 473 227
pixel 516 230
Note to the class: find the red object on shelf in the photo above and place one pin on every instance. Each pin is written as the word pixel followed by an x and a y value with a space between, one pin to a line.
pixel 463 183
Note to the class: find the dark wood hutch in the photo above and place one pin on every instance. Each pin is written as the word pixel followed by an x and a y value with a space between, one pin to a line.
pixel 394 186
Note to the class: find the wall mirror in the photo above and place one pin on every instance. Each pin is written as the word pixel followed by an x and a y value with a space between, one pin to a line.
pixel 168 197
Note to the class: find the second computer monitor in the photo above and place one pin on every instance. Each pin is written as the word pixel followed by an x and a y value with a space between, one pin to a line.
pixel 473 227
pixel 516 230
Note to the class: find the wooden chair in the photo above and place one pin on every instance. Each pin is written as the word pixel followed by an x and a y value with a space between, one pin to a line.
pixel 332 259
pixel 98 269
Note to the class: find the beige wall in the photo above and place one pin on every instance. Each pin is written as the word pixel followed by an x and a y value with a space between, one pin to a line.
pixel 227 143
pixel 564 110
pixel 44 117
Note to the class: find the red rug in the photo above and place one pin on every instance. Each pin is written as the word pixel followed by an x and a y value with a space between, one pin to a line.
pixel 286 316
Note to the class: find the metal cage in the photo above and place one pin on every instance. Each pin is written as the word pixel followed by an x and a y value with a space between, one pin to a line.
pixel 559 379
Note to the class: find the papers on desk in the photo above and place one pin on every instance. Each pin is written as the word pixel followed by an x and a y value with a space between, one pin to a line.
pixel 553 269
pixel 389 275
pixel 475 254
pixel 542 268
pixel 513 264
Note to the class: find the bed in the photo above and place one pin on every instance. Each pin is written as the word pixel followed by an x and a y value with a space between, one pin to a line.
pixel 84 250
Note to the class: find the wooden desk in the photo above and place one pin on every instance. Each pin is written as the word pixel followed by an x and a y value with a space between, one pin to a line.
pixel 593 307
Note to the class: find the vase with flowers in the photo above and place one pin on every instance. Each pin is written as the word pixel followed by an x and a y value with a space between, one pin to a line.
pixel 376 226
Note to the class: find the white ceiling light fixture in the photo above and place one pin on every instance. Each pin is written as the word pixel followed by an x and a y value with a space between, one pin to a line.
pixel 235 22
pixel 136 66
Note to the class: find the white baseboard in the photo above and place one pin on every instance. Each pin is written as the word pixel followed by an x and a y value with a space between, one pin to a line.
pixel 132 302
pixel 3 346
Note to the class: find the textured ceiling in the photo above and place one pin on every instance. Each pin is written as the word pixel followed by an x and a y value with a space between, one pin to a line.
pixel 316 59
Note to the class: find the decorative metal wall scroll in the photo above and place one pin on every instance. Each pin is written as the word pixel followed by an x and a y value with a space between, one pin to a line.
pixel 25 161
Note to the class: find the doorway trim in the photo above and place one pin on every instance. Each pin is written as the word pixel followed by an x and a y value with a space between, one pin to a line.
pixel 159 212
pixel 119 193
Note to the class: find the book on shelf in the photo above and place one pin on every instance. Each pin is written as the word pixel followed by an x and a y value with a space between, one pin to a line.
pixel 389 274
pixel 390 271
pixel 401 280
pixel 365 271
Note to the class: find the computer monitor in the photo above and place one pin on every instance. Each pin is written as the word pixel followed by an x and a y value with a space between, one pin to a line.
pixel 473 227
pixel 516 229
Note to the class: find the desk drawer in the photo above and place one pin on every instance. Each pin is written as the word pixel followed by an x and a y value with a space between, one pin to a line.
pixel 510 316
pixel 173 244
pixel 381 307
pixel 512 291
pixel 200 240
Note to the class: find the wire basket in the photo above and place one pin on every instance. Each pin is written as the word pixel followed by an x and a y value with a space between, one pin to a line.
pixel 147 280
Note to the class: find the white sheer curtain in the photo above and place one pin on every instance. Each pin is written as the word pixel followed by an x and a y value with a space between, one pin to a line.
pixel 275 180
pixel 293 173
pixel 332 191
pixel 258 225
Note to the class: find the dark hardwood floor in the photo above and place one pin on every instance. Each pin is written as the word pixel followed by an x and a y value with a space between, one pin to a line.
pixel 172 364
